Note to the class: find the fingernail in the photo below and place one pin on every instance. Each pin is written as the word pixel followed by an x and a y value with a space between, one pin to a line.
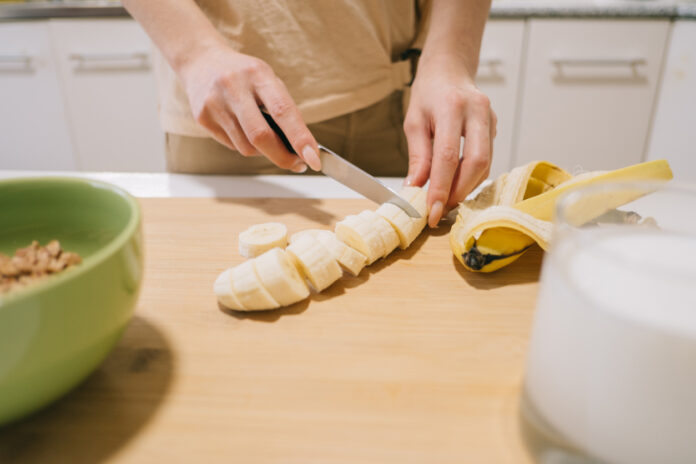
pixel 311 156
pixel 435 214
pixel 408 181
pixel 299 167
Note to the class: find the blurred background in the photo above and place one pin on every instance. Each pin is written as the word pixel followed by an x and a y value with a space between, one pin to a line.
pixel 585 84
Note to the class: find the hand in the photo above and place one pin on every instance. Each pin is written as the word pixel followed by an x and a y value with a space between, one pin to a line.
pixel 445 105
pixel 225 90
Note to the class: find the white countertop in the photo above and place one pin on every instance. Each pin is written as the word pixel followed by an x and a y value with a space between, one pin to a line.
pixel 163 185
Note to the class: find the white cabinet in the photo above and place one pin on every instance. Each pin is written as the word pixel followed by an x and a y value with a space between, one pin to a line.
pixel 104 67
pixel 589 88
pixel 498 75
pixel 33 128
pixel 674 126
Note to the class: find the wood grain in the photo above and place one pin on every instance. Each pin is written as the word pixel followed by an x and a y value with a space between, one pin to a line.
pixel 415 360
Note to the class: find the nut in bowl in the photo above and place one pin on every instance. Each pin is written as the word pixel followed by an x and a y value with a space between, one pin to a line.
pixel 79 293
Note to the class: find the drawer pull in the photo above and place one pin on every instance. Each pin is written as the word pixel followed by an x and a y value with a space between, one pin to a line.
pixel 490 61
pixel 107 57
pixel 20 58
pixel 599 62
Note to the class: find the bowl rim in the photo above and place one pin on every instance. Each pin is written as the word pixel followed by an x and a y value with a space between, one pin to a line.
pixel 95 258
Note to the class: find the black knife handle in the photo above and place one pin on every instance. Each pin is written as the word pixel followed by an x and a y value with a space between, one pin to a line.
pixel 279 132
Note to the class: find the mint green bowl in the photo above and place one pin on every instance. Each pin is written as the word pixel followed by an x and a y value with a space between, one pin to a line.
pixel 54 333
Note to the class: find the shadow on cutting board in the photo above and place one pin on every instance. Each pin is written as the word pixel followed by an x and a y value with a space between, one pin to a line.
pixel 105 412
pixel 525 270
pixel 338 288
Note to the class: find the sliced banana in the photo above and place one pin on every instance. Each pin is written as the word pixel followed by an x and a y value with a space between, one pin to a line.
pixel 359 233
pixel 350 259
pixel 406 227
pixel 315 261
pixel 260 238
pixel 225 293
pixel 389 237
pixel 418 197
pixel 280 277
pixel 249 290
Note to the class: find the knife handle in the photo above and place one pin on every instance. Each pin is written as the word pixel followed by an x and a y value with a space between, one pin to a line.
pixel 279 132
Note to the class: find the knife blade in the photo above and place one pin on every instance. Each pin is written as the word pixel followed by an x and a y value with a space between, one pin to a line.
pixel 348 174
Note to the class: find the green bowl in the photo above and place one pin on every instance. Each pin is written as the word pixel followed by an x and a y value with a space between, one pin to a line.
pixel 57 331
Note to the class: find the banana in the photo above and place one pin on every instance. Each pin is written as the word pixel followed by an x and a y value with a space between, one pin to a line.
pixel 249 290
pixel 389 237
pixel 418 197
pixel 350 259
pixel 280 277
pixel 225 293
pixel 510 215
pixel 406 227
pixel 315 261
pixel 260 238
pixel 360 234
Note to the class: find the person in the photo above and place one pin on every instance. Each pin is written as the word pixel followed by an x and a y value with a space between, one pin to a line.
pixel 331 69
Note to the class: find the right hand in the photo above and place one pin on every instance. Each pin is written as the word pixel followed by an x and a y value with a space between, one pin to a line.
pixel 225 89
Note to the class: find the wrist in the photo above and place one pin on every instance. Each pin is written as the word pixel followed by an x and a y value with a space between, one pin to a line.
pixel 185 59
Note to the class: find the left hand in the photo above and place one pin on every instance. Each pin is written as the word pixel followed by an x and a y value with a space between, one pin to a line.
pixel 445 105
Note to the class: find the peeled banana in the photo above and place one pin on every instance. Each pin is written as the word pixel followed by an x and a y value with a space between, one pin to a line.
pixel 275 277
pixel 260 238
pixel 350 259
pixel 510 215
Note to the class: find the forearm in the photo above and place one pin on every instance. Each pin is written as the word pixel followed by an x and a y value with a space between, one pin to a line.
pixel 456 28
pixel 178 28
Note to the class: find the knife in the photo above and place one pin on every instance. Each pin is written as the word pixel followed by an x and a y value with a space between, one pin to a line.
pixel 349 174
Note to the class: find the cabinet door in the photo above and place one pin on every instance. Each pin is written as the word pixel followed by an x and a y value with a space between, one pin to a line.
pixel 589 90
pixel 105 71
pixel 498 75
pixel 33 128
pixel 674 125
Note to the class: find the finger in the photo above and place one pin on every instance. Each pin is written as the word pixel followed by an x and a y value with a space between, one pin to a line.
pixel 448 130
pixel 234 131
pixel 476 159
pixel 420 149
pixel 215 130
pixel 280 105
pixel 262 137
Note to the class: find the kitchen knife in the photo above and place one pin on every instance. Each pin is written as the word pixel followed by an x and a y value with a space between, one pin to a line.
pixel 350 175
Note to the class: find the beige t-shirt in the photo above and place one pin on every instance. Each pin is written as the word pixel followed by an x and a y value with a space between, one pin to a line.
pixel 334 56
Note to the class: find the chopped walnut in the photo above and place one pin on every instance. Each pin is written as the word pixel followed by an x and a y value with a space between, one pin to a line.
pixel 33 263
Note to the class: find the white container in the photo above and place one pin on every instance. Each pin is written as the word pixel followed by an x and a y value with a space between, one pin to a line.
pixel 611 374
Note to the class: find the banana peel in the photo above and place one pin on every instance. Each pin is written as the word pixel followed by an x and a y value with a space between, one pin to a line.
pixel 507 217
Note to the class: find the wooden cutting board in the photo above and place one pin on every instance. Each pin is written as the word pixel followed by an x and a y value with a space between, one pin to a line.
pixel 414 361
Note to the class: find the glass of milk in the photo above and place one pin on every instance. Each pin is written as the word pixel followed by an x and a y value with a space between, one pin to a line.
pixel 611 368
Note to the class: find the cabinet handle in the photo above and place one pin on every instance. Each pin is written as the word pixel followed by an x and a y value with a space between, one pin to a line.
pixel 490 61
pixel 599 62
pixel 21 58
pixel 106 57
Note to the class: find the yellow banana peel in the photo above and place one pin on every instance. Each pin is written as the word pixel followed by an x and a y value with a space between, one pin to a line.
pixel 507 217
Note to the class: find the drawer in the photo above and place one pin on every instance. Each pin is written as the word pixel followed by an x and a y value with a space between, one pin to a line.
pixel 589 89
pixel 498 76
pixel 105 69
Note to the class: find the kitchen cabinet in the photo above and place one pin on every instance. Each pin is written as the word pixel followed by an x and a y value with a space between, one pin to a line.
pixel 104 66
pixel 674 126
pixel 588 92
pixel 34 132
pixel 498 76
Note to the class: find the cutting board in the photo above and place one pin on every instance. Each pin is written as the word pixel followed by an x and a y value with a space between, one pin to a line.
pixel 414 361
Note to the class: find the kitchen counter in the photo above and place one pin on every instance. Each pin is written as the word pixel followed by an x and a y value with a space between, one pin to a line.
pixel 415 360
pixel 499 9
pixel 164 185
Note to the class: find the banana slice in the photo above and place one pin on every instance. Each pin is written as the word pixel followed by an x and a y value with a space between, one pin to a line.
pixel 249 290
pixel 350 259
pixel 315 261
pixel 406 227
pixel 280 277
pixel 225 293
pixel 260 238
pixel 359 233
pixel 389 237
